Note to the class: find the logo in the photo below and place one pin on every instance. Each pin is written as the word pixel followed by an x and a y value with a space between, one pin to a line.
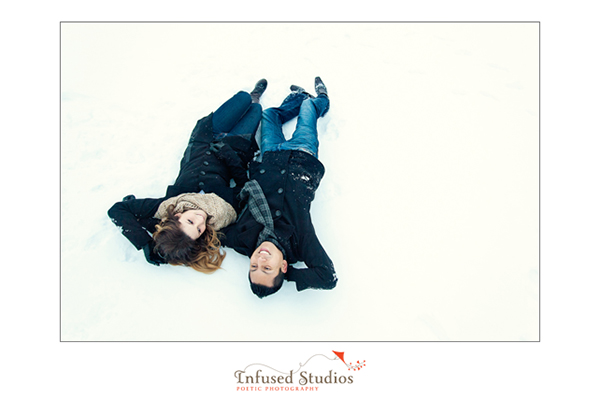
pixel 358 365
pixel 324 371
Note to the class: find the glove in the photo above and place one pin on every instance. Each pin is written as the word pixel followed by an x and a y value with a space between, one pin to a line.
pixel 151 256
pixel 216 147
pixel 129 197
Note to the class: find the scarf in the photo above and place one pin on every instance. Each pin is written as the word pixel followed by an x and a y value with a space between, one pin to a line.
pixel 259 208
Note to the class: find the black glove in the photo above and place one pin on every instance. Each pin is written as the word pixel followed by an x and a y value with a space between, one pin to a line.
pixel 151 256
pixel 230 158
pixel 216 147
pixel 129 197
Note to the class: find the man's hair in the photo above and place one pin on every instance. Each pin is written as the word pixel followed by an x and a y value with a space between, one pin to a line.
pixel 262 290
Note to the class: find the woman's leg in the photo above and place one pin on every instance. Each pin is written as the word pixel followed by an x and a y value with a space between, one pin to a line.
pixel 224 118
pixel 274 118
pixel 231 112
pixel 305 137
pixel 248 124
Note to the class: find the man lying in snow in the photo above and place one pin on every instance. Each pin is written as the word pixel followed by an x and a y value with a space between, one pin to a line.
pixel 275 229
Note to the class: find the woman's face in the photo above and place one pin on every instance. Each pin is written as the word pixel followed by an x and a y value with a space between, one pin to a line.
pixel 193 223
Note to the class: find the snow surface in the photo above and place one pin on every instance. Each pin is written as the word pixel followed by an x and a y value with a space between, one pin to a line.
pixel 429 205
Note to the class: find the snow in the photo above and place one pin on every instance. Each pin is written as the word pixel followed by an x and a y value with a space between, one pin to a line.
pixel 37 363
pixel 429 205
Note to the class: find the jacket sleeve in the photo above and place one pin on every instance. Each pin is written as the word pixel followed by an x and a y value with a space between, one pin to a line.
pixel 135 218
pixel 320 273
pixel 241 235
pixel 229 237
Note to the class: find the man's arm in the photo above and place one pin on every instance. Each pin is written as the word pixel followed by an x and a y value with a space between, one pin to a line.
pixel 320 273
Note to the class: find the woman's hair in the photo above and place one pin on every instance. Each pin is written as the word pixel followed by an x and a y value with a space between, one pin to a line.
pixel 177 248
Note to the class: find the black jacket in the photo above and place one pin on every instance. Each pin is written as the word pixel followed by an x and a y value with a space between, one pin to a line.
pixel 201 169
pixel 289 180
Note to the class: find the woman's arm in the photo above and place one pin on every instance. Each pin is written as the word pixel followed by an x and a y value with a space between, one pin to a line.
pixel 134 217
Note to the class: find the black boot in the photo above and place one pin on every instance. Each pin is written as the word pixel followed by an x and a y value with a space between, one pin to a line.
pixel 258 90
pixel 320 87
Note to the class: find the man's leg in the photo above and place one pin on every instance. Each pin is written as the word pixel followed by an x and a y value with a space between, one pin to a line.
pixel 273 119
pixel 305 136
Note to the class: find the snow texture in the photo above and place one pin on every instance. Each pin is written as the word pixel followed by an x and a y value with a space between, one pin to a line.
pixel 429 205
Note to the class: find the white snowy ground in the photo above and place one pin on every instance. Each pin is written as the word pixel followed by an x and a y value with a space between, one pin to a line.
pixel 429 205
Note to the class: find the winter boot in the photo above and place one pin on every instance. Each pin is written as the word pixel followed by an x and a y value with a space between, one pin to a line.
pixel 258 90
pixel 320 87
pixel 296 88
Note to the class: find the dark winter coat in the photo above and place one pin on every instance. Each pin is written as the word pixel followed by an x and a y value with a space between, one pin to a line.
pixel 202 168
pixel 289 180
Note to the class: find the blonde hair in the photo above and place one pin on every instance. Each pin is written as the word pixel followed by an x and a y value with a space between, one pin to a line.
pixel 177 248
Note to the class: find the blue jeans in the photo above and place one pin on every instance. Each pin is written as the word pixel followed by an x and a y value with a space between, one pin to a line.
pixel 304 137
pixel 237 116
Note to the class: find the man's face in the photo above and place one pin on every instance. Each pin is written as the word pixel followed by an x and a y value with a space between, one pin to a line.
pixel 265 264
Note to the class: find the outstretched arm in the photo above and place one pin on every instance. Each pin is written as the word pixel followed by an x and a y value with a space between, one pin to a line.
pixel 134 217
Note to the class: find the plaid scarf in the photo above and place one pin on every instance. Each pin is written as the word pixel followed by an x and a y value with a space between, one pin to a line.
pixel 259 208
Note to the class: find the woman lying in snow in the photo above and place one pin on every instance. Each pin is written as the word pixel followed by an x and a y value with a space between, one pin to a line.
pixel 184 223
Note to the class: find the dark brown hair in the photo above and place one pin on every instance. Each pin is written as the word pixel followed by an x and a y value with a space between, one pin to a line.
pixel 177 248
